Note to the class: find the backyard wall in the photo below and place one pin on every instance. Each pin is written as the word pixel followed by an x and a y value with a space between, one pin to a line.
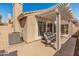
pixel 75 28
pixel 4 30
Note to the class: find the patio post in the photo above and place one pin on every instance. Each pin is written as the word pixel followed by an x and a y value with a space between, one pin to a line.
pixel 53 27
pixel 58 30
pixel 46 26
pixel 70 29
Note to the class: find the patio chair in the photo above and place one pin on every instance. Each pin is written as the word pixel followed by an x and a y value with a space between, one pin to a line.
pixel 49 39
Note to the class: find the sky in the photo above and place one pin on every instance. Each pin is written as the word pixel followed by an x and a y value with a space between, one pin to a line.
pixel 75 9
pixel 6 8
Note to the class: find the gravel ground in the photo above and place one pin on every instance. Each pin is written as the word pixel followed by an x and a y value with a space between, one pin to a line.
pixel 76 53
pixel 68 48
pixel 71 47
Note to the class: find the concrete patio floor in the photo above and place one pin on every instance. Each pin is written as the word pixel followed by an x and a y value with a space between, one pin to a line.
pixel 32 49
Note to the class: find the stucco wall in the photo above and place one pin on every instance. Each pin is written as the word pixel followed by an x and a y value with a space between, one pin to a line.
pixel 4 30
pixel 30 32
pixel 64 22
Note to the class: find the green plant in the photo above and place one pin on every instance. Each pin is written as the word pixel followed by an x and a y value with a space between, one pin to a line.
pixel 0 18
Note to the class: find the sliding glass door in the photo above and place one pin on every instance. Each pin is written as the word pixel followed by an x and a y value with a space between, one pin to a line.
pixel 44 26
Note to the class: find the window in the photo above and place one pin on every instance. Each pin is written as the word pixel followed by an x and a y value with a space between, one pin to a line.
pixel 64 29
pixel 41 27
pixel 22 22
pixel 54 28
pixel 49 26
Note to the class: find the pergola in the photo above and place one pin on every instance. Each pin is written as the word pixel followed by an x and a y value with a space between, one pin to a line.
pixel 57 13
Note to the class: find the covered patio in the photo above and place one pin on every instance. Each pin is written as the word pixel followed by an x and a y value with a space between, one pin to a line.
pixel 57 20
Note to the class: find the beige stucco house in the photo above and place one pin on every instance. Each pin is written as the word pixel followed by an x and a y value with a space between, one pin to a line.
pixel 32 25
pixel 59 20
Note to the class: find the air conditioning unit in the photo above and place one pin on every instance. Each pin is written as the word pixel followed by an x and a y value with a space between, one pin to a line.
pixel 15 38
